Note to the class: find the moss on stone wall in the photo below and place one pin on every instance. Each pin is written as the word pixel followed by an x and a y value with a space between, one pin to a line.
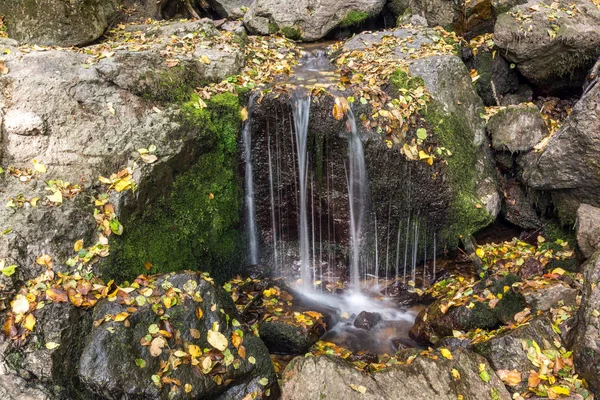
pixel 466 213
pixel 354 18
pixel 173 85
pixel 196 226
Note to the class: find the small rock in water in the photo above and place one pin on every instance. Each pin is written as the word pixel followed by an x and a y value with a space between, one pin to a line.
pixel 367 320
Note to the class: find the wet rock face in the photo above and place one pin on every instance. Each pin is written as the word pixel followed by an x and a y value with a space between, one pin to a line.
pixel 306 20
pixel 392 180
pixel 506 351
pixel 328 378
pixel 109 364
pixel 586 347
pixel 56 22
pixel 496 78
pixel 551 62
pixel 518 207
pixel 568 166
pixel 588 229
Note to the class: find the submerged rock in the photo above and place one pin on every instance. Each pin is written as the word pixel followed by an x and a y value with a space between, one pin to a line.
pixel 367 320
pixel 283 337
pixel 196 333
pixel 306 21
pixel 585 343
pixel 568 166
pixel 588 229
pixel 424 378
pixel 57 22
pixel 554 54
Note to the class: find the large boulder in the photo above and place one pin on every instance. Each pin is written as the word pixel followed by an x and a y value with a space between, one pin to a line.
pixel 183 340
pixel 586 346
pixel 588 229
pixel 552 46
pixel 568 166
pixel 83 120
pixel 424 378
pixel 57 22
pixel 307 21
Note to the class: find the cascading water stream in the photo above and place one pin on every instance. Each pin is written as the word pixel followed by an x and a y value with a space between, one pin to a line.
pixel 358 197
pixel 301 111
pixel 249 188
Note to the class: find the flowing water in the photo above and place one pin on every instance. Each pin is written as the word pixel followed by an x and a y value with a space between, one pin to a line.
pixel 301 112
pixel 252 234
pixel 358 198
pixel 308 211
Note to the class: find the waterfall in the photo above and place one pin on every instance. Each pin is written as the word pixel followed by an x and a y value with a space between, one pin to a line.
pixel 358 197
pixel 249 188
pixel 301 112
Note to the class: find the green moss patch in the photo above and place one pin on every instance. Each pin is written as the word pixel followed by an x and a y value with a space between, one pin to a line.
pixel 196 226
pixel 466 214
pixel 354 18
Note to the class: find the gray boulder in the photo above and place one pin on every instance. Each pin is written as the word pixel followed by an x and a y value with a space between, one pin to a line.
pixel 202 318
pixel 554 54
pixel 507 352
pixel 301 19
pixel 586 346
pixel 588 229
pixel 325 377
pixel 517 128
pixel 57 22
pixel 568 165
pixel 84 121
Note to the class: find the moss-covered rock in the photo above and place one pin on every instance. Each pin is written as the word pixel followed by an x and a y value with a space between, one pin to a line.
pixel 189 309
pixel 454 114
pixel 196 224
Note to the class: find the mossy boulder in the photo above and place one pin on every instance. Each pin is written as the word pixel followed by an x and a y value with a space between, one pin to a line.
pixel 57 22
pixel 454 114
pixel 196 223
pixel 184 317
pixel 554 54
